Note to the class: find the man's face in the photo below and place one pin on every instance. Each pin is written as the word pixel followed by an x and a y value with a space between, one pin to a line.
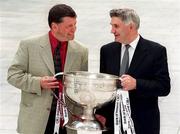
pixel 65 30
pixel 120 30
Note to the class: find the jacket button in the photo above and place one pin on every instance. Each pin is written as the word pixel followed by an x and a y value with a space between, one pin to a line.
pixel 48 109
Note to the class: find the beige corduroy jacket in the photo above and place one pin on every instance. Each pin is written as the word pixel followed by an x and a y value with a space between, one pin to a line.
pixel 32 61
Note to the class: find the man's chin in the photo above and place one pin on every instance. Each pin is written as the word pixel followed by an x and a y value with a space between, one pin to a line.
pixel 116 40
pixel 71 38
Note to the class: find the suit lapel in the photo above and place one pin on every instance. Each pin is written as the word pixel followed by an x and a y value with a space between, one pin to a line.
pixel 71 56
pixel 138 57
pixel 48 59
pixel 46 53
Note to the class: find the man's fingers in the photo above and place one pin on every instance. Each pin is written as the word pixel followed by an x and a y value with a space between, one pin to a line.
pixel 49 79
pixel 49 82
pixel 53 84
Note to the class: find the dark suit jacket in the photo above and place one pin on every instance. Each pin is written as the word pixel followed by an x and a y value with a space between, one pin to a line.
pixel 149 67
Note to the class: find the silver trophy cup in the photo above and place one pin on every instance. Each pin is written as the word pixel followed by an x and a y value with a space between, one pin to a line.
pixel 90 90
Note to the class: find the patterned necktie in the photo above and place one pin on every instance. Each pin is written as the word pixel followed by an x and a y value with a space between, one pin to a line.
pixel 57 60
pixel 125 61
pixel 58 68
pixel 57 63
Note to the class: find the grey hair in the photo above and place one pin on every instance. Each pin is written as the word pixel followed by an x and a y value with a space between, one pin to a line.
pixel 126 15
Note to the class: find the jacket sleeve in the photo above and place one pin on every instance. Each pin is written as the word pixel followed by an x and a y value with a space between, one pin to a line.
pixel 18 74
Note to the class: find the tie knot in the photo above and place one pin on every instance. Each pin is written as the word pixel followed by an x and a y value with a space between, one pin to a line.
pixel 58 46
pixel 127 46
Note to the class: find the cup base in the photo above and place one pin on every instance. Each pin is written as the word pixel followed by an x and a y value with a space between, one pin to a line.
pixel 86 125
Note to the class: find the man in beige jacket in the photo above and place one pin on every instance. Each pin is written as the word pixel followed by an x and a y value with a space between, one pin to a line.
pixel 32 70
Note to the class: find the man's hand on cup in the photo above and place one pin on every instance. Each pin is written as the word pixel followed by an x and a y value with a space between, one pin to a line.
pixel 49 82
pixel 128 82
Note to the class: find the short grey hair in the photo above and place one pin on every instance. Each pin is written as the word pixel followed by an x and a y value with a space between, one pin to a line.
pixel 127 15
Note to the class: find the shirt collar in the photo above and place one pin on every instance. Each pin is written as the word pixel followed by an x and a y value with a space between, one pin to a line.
pixel 135 42
pixel 53 40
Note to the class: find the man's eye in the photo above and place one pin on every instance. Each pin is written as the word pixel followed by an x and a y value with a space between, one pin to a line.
pixel 115 26
pixel 70 26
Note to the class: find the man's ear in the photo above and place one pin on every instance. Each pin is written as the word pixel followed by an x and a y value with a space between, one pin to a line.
pixel 131 25
pixel 54 26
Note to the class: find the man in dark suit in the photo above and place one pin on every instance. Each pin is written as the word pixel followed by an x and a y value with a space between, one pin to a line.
pixel 147 77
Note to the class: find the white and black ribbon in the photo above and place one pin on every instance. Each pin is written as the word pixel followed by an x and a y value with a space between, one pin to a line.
pixel 61 113
pixel 117 114
pixel 122 113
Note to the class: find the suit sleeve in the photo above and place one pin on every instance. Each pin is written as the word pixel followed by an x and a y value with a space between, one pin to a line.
pixel 159 84
pixel 84 64
pixel 18 75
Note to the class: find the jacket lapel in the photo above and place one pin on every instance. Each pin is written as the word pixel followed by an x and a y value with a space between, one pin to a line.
pixel 71 56
pixel 46 53
pixel 48 59
pixel 138 57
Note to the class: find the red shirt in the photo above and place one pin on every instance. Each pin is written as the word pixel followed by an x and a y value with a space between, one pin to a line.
pixel 63 49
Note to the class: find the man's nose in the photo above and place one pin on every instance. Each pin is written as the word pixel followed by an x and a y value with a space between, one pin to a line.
pixel 73 29
pixel 112 30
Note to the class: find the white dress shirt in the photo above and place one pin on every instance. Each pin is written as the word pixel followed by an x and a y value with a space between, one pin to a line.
pixel 131 49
